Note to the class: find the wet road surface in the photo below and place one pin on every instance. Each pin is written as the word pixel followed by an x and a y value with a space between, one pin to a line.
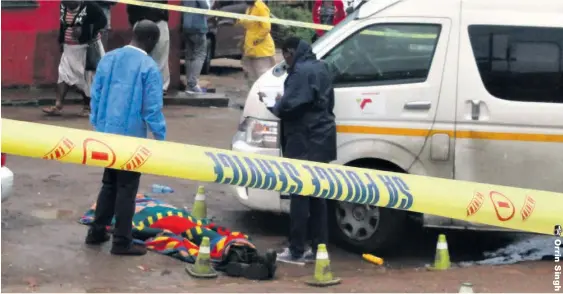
pixel 43 250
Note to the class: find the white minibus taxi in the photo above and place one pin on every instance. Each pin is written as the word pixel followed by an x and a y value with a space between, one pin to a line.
pixel 459 89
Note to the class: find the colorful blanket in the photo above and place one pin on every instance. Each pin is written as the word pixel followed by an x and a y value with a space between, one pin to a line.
pixel 174 232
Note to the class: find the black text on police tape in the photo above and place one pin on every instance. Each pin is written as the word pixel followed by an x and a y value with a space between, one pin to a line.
pixel 362 187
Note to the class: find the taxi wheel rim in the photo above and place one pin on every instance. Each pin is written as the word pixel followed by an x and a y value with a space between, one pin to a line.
pixel 357 222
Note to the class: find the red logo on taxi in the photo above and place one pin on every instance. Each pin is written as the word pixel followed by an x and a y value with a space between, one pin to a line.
pixel 364 102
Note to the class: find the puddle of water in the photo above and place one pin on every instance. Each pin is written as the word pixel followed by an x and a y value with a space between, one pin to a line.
pixel 530 249
pixel 52 213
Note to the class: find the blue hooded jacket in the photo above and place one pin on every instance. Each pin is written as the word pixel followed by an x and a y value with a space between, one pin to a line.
pixel 127 95
pixel 195 23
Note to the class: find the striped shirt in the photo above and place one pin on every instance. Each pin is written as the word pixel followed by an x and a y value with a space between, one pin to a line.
pixel 69 18
pixel 69 38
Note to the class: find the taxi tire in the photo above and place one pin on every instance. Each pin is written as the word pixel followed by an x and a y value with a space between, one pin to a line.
pixel 390 231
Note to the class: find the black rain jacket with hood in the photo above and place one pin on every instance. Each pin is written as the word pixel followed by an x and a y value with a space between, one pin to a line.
pixel 306 109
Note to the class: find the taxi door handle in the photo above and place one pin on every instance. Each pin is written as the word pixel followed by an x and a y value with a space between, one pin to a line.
pixel 418 105
pixel 475 109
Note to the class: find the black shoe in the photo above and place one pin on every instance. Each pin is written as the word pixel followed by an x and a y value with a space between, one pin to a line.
pixel 96 237
pixel 235 269
pixel 131 249
pixel 257 272
pixel 263 268
pixel 259 268
pixel 271 257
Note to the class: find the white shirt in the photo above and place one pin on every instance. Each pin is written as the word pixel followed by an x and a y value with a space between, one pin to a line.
pixel 137 49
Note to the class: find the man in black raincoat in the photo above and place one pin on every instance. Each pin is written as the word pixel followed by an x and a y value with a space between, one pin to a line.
pixel 308 133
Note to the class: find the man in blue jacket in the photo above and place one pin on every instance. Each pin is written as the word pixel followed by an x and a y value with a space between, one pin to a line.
pixel 308 133
pixel 195 31
pixel 126 100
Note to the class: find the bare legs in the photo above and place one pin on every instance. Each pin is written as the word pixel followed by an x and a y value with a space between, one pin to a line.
pixel 62 91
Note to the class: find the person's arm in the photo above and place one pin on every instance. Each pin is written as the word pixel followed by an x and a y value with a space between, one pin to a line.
pixel 152 103
pixel 340 12
pixel 244 22
pixel 96 89
pixel 297 96
pixel 163 13
pixel 265 27
pixel 62 27
pixel 97 18
pixel 316 16
pixel 132 14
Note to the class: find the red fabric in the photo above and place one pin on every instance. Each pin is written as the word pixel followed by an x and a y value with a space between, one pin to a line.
pixel 162 243
pixel 339 15
pixel 234 238
pixel 175 224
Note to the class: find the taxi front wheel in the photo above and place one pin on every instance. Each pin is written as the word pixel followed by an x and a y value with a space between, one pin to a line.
pixel 365 228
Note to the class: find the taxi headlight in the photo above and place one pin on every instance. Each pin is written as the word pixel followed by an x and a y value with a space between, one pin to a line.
pixel 259 133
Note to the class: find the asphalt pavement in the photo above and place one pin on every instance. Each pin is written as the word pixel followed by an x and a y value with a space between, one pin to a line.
pixel 43 250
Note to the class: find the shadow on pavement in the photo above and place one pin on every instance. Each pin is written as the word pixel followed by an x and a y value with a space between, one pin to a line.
pixel 224 70
pixel 264 223
pixel 218 70
pixel 416 249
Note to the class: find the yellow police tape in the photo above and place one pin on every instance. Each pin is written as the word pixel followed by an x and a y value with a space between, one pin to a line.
pixel 514 208
pixel 285 22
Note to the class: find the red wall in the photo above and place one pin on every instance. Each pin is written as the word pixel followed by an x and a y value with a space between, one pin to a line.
pixel 30 51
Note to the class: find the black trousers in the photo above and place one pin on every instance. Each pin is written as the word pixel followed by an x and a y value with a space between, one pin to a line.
pixel 117 197
pixel 307 214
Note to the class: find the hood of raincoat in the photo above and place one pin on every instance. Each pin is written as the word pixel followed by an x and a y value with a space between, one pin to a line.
pixel 303 53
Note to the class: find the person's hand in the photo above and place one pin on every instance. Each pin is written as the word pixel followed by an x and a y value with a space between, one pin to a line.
pixel 257 41
pixel 76 32
pixel 261 96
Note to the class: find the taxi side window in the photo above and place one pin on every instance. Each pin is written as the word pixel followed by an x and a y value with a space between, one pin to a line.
pixel 520 63
pixel 384 54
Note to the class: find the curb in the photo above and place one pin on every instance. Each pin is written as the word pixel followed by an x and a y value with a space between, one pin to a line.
pixel 199 100
pixel 204 100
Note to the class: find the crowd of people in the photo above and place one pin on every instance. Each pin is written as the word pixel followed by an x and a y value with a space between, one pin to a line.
pixel 85 26
pixel 83 35
pixel 123 94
